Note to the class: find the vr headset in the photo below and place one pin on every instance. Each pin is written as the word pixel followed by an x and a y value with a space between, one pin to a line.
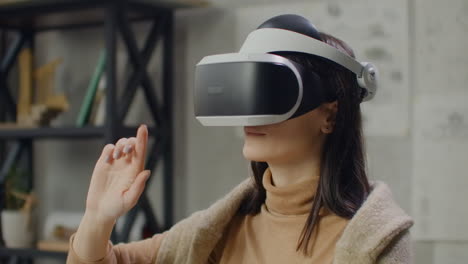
pixel 253 87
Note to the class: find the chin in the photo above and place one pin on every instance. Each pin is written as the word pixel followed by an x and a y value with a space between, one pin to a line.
pixel 254 154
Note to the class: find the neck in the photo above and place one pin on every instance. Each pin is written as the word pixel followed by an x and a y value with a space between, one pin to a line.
pixel 294 171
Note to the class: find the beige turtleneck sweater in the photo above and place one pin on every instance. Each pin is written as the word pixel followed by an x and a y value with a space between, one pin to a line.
pixel 272 235
pixel 268 237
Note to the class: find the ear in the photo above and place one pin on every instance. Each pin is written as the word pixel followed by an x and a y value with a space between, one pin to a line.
pixel 329 120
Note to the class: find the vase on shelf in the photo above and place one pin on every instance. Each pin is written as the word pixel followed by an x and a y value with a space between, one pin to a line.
pixel 17 229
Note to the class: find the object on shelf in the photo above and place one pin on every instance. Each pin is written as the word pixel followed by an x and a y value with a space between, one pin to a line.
pixel 17 227
pixel 44 81
pixel 87 105
pixel 47 104
pixel 58 228
pixel 17 194
pixel 25 61
pixel 60 246
pixel 99 107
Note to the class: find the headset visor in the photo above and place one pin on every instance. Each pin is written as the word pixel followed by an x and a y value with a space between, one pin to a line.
pixel 244 89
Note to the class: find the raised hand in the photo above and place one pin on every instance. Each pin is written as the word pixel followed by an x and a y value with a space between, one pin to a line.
pixel 118 178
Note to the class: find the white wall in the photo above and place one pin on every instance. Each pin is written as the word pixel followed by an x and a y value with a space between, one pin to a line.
pixel 416 128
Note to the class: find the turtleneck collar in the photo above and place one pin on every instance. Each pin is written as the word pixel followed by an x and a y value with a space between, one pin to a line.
pixel 293 199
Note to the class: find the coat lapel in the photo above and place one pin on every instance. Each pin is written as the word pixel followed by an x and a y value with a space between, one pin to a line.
pixel 372 229
pixel 369 232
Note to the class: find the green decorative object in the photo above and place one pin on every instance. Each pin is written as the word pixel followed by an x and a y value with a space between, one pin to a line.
pixel 15 189
pixel 85 111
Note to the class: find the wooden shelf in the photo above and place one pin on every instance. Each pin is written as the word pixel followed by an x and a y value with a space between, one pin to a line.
pixel 31 253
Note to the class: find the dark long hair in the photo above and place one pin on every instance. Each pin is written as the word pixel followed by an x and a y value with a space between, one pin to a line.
pixel 343 184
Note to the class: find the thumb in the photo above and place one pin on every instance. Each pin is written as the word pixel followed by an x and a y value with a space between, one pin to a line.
pixel 132 195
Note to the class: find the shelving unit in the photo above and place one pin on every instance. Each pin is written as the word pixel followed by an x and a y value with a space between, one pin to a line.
pixel 64 133
pixel 16 255
pixel 29 17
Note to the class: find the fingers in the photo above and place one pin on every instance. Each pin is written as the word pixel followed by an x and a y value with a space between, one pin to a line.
pixel 107 153
pixel 124 148
pixel 119 146
pixel 141 142
pixel 136 189
pixel 127 146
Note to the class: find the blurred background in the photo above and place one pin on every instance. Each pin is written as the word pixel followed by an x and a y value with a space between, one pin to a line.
pixel 416 128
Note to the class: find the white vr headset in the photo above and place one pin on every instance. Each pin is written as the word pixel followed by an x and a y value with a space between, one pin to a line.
pixel 253 87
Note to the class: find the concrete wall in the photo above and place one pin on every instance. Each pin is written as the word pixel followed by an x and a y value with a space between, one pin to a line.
pixel 440 130
pixel 416 128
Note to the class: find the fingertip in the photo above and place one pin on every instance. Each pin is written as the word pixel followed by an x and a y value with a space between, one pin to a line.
pixel 144 175
pixel 116 154
pixel 142 136
pixel 107 152
pixel 127 149
pixel 142 128
pixel 108 148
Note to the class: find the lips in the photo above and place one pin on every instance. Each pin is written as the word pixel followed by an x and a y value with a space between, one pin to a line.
pixel 252 131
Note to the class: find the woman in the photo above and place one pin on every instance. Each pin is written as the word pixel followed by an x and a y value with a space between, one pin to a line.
pixel 309 201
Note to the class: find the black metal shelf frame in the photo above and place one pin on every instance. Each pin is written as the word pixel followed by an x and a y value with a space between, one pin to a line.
pixel 65 133
pixel 30 253
pixel 115 21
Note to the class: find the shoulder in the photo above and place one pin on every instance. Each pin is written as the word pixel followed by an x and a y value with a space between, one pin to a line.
pixel 199 233
pixel 377 227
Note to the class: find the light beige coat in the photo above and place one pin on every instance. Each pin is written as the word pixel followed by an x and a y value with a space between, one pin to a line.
pixel 378 232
